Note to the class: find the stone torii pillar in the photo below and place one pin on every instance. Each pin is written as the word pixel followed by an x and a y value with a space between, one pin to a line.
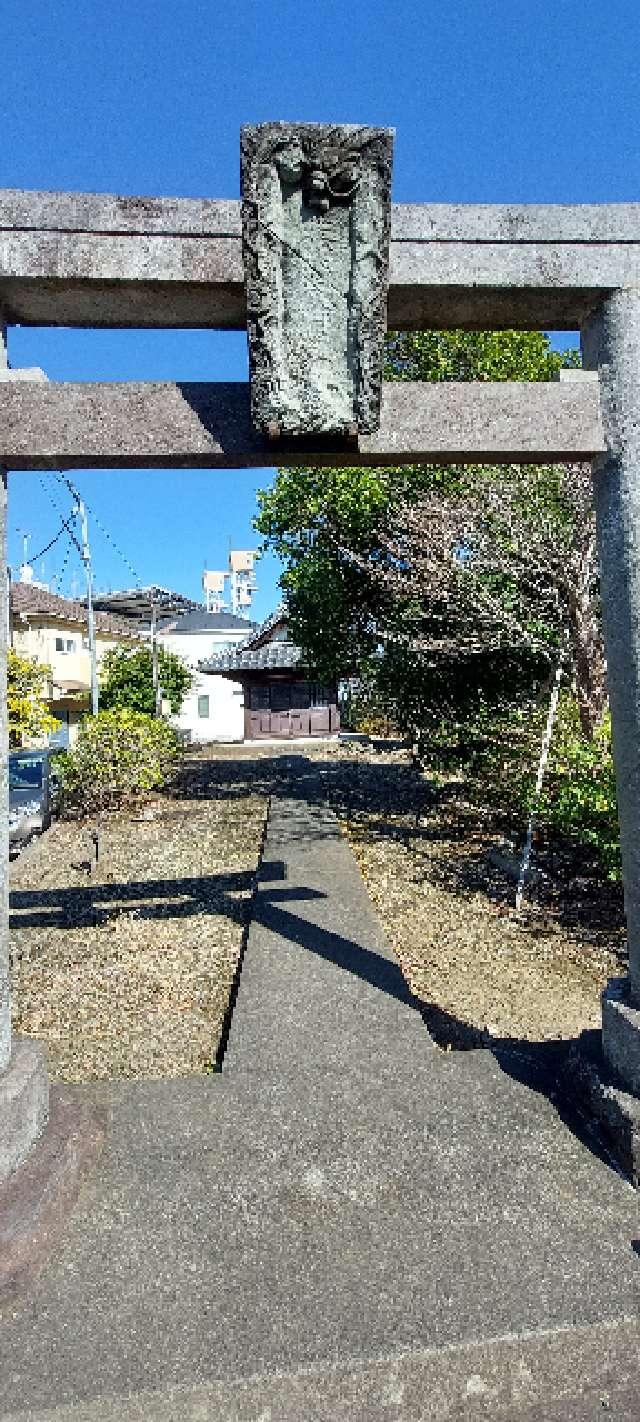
pixel 611 345
pixel 24 1084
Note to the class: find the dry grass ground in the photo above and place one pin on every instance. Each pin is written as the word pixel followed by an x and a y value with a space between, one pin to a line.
pixel 123 968
pixel 126 970
pixel 434 870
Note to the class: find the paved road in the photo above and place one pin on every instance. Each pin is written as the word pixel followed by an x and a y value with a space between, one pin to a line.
pixel 345 1223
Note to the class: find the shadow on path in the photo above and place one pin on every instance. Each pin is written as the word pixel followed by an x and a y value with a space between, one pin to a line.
pixel 538 1065
pixel 182 898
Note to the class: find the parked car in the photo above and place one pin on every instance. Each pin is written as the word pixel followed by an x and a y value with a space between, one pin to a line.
pixel 30 794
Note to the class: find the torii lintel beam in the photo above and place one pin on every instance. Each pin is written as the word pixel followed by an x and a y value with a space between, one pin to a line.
pixel 168 425
pixel 87 259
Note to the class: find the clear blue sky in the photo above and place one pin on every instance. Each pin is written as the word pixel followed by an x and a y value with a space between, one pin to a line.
pixel 492 101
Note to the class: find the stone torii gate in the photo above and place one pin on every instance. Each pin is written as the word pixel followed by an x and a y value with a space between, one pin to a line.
pixel 309 270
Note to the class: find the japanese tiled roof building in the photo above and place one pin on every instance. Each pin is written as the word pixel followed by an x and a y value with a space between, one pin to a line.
pixel 280 699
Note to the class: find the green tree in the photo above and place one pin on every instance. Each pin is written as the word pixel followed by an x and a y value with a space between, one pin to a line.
pixel 127 679
pixel 28 713
pixel 372 575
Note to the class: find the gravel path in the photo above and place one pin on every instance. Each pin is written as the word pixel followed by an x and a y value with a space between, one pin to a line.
pixel 124 968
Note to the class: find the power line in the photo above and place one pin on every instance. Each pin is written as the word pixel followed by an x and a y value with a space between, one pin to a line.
pixel 84 549
pixel 104 531
pixel 65 527
pixel 45 488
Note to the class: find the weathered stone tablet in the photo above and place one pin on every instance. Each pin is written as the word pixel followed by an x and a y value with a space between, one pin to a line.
pixel 316 223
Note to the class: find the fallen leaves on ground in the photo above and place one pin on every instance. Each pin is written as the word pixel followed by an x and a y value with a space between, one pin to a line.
pixel 124 967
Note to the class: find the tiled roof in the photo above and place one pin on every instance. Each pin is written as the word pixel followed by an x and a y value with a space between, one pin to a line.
pixel 270 623
pixel 29 601
pixel 273 656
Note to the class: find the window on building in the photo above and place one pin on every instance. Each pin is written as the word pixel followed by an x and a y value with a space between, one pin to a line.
pixel 59 644
pixel 259 698
pixel 203 707
pixel 281 696
pixel 65 644
pixel 321 696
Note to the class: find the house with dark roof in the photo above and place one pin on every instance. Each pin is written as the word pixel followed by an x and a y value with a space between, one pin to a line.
pixel 280 699
pixel 55 631
pixel 213 709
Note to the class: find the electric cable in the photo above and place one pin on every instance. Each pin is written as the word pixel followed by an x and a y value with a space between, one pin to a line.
pixel 105 532
pixel 65 526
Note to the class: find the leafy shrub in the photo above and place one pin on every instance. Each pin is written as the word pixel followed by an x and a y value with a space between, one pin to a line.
pixel 119 756
pixel 362 710
pixel 579 797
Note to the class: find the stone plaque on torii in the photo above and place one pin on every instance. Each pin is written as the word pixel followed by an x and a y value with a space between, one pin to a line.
pixel 315 219
pixel 310 271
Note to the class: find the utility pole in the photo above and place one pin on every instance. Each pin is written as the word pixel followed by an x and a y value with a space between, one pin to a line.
pixel 26 539
pixel 157 693
pixel 86 558
pixel 85 553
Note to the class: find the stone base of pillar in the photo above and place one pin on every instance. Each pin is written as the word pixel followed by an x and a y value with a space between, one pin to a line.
pixel 621 1033
pixel 24 1103
pixel 37 1199
pixel 589 1083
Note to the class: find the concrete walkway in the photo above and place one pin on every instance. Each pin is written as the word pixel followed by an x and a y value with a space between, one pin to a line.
pixel 345 1223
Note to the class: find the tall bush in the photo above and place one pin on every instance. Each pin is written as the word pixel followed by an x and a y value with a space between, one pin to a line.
pixel 118 757
pixel 28 711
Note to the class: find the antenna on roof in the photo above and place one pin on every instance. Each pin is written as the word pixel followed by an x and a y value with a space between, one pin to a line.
pixel 26 571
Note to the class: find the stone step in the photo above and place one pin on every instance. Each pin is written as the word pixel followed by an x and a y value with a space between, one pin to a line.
pixel 247 1228
pixel 568 1375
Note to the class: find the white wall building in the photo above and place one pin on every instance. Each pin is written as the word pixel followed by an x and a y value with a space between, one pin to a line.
pixel 214 708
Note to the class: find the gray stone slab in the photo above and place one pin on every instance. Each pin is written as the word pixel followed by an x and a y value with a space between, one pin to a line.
pixel 316 216
pixel 165 425
pixel 231 1233
pixel 113 213
pixel 343 1215
pixel 37 1198
pixel 101 260
pixel 621 1033
pixel 572 1375
pixel 590 1082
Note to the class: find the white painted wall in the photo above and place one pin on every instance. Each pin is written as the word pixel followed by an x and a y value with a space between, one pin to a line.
pixel 225 719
